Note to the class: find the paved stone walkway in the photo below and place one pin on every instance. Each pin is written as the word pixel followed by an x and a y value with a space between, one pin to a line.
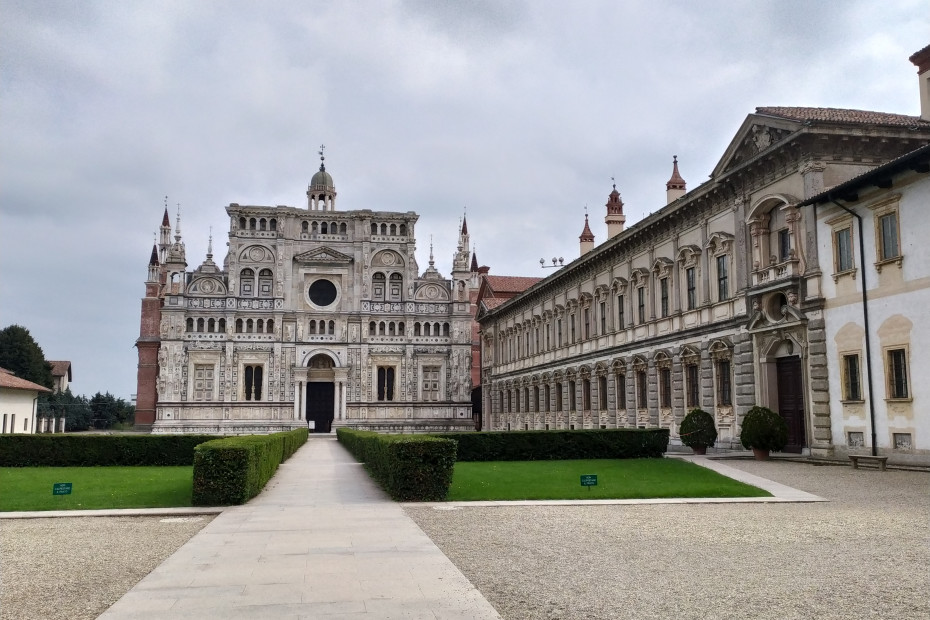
pixel 321 541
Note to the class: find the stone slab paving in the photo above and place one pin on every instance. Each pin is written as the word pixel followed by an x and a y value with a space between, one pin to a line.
pixel 321 541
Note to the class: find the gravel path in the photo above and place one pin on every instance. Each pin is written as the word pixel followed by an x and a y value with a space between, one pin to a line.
pixel 864 554
pixel 74 568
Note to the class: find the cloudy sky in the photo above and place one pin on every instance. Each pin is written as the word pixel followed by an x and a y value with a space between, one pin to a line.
pixel 518 113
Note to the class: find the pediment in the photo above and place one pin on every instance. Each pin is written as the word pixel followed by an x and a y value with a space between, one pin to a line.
pixel 757 135
pixel 323 256
pixel 207 286
pixel 431 293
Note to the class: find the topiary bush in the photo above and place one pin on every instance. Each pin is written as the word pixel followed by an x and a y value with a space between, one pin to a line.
pixel 697 430
pixel 764 429
pixel 65 450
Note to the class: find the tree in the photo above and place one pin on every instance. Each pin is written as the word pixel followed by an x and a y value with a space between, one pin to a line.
pixel 75 409
pixel 20 353
pixel 109 410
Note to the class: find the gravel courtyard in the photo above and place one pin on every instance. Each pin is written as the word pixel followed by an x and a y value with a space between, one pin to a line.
pixel 864 554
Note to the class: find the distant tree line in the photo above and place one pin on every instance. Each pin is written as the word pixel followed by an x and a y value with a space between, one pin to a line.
pixel 22 355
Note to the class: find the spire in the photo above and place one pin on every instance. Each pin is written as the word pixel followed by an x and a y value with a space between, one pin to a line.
pixel 675 188
pixel 164 220
pixel 464 226
pixel 210 245
pixel 177 230
pixel 322 158
pixel 153 260
pixel 615 219
pixel 474 261
pixel 587 237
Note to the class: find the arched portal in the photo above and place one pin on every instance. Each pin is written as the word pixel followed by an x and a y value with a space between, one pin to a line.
pixel 321 393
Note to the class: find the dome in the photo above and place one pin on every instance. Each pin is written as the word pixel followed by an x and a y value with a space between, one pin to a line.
pixel 322 178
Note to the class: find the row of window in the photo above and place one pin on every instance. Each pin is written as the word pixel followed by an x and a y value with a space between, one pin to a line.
pixel 397 328
pixel 247 283
pixel 323 228
pixel 896 377
pixel 385 388
pixel 538 398
pixel 887 245
pixel 520 344
pixel 389 229
pixel 260 223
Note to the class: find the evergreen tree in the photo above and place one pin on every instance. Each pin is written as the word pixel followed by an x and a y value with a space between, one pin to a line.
pixel 21 354
pixel 75 409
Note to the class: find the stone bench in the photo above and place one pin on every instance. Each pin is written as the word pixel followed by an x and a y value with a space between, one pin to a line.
pixel 880 460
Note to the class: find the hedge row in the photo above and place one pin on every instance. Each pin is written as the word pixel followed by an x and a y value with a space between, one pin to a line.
pixel 408 467
pixel 65 450
pixel 621 443
pixel 235 469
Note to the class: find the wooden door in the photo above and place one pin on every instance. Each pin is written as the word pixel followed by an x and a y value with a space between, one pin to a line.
pixel 320 405
pixel 791 400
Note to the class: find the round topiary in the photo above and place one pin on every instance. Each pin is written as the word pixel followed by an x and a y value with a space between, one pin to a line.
pixel 697 429
pixel 764 429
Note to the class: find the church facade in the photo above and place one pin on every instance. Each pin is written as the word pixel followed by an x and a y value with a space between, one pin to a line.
pixel 317 317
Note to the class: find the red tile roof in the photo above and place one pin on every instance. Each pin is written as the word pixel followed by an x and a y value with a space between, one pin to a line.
pixel 12 382
pixel 491 303
pixel 838 115
pixel 60 369
pixel 510 284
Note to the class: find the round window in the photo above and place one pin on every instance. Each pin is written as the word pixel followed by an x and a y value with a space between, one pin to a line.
pixel 322 293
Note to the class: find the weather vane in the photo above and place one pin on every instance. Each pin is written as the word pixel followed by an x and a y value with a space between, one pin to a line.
pixel 322 147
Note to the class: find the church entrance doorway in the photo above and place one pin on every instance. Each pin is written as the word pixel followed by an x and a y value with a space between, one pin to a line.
pixel 320 409
pixel 791 400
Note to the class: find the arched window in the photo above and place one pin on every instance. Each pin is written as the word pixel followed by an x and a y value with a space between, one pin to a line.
pixel 211 325
pixel 372 329
pixel 334 228
pixel 392 327
pixel 315 228
pixel 393 229
pixel 265 283
pixel 332 328
pixel 342 228
pixel 249 325
pixel 416 329
pixel 238 326
pixel 247 283
pixel 304 227
pixel 384 229
pixel 273 224
pixel 241 223
pixel 222 326
pixel 253 382
pixel 262 224
pixel 312 329
pixel 199 325
pixel 259 326
pixel 374 229
pixel 403 230
pixel 269 326
pixel 445 329
pixel 378 283
pixel 397 286
pixel 400 329
pixel 381 328
pixel 190 325
pixel 324 228
pixel 252 223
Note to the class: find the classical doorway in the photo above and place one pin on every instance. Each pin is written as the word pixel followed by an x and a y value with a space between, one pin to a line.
pixel 321 393
pixel 320 409
pixel 791 400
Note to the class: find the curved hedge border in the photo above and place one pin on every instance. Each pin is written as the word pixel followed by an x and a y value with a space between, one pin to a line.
pixel 408 467
pixel 98 450
pixel 235 469
pixel 620 443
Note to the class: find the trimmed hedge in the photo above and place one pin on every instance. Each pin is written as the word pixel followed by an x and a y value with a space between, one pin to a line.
pixel 98 450
pixel 621 443
pixel 235 469
pixel 408 467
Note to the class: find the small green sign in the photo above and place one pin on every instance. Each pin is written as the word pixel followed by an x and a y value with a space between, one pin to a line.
pixel 61 488
pixel 589 480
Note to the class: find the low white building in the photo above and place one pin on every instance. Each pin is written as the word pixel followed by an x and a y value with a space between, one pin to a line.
pixel 18 399
pixel 872 235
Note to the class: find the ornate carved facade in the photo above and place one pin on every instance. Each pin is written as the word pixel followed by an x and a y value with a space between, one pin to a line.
pixel 317 317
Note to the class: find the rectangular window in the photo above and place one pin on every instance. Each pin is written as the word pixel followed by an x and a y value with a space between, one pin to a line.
pixel 386 383
pixel 665 387
pixel 587 323
pixel 897 374
pixel 851 383
pixel 203 382
pixel 663 290
pixel 724 396
pixel 888 227
pixel 253 382
pixel 620 383
pixel 641 303
pixel 692 289
pixel 509 401
pixel 536 343
pixel 843 250
pixel 586 395
pixel 784 245
pixel 431 383
pixel 572 319
pixel 603 318
pixel 692 387
pixel 723 289
pixel 602 393
pixel 558 339
pixel 546 395
pixel 518 402
pixel 548 338
pixel 621 323
pixel 558 397
pixel 641 390
pixel 572 396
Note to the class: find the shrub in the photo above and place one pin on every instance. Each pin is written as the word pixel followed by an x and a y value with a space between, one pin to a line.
pixel 98 450
pixel 622 443
pixel 763 429
pixel 407 467
pixel 698 430
pixel 235 469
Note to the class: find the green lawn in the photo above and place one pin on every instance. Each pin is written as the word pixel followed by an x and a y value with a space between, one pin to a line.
pixel 30 488
pixel 616 479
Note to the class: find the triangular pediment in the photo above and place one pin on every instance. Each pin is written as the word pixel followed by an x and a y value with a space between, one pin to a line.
pixel 323 255
pixel 757 135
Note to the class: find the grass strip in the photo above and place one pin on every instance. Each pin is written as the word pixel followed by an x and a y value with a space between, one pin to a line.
pixel 616 479
pixel 30 488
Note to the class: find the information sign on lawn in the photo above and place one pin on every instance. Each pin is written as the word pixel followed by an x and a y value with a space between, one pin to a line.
pixel 589 480
pixel 61 488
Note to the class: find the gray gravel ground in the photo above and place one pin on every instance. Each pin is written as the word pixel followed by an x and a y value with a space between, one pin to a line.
pixel 864 554
pixel 74 568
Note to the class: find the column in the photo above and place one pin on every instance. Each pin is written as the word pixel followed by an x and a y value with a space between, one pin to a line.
pixel 297 391
pixel 343 389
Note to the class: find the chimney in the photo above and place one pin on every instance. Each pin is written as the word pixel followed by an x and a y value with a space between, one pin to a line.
pixel 586 238
pixel 675 188
pixel 921 60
